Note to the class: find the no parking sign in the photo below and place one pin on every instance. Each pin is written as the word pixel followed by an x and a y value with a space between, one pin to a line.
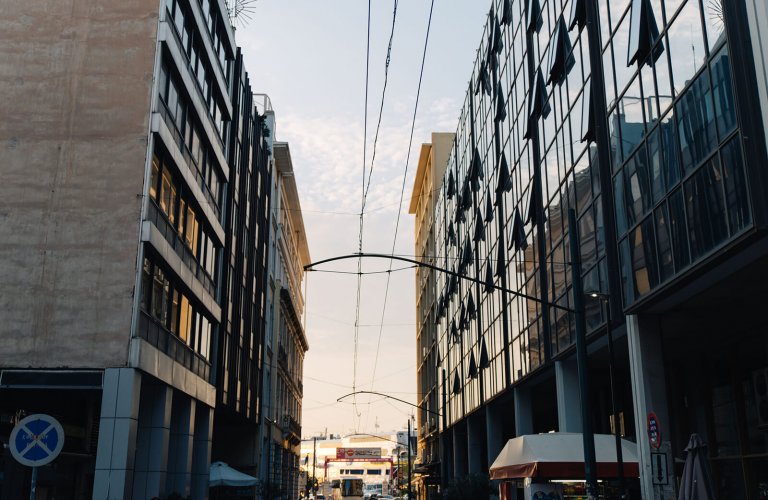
pixel 36 440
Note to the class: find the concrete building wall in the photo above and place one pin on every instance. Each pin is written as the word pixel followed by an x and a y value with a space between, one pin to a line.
pixel 76 78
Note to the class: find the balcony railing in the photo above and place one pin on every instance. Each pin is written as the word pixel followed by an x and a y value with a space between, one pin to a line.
pixel 161 222
pixel 194 168
pixel 162 338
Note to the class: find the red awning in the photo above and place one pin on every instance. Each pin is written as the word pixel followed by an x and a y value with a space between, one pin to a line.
pixel 560 455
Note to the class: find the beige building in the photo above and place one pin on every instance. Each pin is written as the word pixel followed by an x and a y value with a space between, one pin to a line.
pixel 285 339
pixel 433 160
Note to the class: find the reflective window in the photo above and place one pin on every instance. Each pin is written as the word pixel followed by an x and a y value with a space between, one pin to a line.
pixel 696 123
pixel 685 41
pixel 705 207
pixel 722 90
pixel 736 194
pixel 678 230
pixel 664 240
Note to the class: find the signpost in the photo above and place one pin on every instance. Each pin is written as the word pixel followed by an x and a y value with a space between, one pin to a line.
pixel 654 431
pixel 35 441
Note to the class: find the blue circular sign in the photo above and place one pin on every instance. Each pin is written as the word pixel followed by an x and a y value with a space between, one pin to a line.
pixel 36 440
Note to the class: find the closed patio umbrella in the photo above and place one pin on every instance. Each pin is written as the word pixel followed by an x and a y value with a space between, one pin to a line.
pixel 696 483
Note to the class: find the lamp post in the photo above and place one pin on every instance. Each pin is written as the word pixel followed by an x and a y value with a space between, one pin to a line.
pixel 605 305
pixel 409 458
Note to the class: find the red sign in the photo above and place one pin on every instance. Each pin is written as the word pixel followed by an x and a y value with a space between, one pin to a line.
pixel 352 453
pixel 654 431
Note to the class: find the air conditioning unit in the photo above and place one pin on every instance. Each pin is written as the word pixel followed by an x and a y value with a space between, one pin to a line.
pixel 760 384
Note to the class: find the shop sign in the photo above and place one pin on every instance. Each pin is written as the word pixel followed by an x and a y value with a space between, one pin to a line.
pixel 358 453
pixel 654 431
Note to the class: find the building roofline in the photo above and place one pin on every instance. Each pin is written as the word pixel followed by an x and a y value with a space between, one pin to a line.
pixel 284 165
pixel 421 170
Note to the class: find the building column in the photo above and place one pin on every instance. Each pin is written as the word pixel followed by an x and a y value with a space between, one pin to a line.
pixel 459 450
pixel 152 442
pixel 649 394
pixel 201 451
pixel 179 479
pixel 523 411
pixel 494 430
pixel 113 476
pixel 446 457
pixel 568 400
pixel 475 443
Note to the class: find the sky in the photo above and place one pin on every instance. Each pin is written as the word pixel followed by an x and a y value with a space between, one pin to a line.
pixel 309 56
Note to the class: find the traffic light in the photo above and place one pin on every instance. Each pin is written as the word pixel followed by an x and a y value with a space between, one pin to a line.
pixel 315 486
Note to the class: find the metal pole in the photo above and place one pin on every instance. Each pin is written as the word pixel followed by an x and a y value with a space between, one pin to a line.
pixel 314 462
pixel 33 484
pixel 614 410
pixel 581 358
pixel 409 459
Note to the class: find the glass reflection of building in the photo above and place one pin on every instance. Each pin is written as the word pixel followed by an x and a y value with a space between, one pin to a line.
pixel 654 155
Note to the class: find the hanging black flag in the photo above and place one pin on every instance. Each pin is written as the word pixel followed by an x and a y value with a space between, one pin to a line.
pixel 501 261
pixel 437 356
pixel 498 42
pixel 506 13
pixel 466 258
pixel 453 283
pixel 489 288
pixel 488 207
pixel 483 79
pixel 505 181
pixel 479 227
pixel 533 210
pixel 466 195
pixel 477 165
pixel 451 185
pixel 471 309
pixel 518 232
pixel 561 58
pixel 454 331
pixel 483 354
pixel 538 103
pixel 533 20
pixel 451 234
pixel 456 382
pixel 463 324
pixel 472 371
pixel 501 105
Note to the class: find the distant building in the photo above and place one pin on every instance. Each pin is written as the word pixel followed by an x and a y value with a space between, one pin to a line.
pixel 433 160
pixel 651 124
pixel 285 340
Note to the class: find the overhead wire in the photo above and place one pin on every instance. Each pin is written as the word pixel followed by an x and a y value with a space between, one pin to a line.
pixel 402 189
pixel 356 415
pixel 366 185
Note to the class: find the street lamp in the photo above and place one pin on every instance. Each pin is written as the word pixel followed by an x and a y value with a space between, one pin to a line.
pixel 605 305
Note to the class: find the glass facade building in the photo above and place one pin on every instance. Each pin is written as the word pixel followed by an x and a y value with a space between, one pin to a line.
pixel 644 117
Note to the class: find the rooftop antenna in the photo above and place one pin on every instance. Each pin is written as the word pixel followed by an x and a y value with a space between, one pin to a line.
pixel 241 11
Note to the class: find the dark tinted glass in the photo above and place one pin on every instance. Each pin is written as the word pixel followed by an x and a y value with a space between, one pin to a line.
pixel 637 186
pixel 736 196
pixel 625 263
pixel 678 230
pixel 722 89
pixel 671 169
pixel 666 263
pixel 705 206
pixel 696 122
pixel 618 198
